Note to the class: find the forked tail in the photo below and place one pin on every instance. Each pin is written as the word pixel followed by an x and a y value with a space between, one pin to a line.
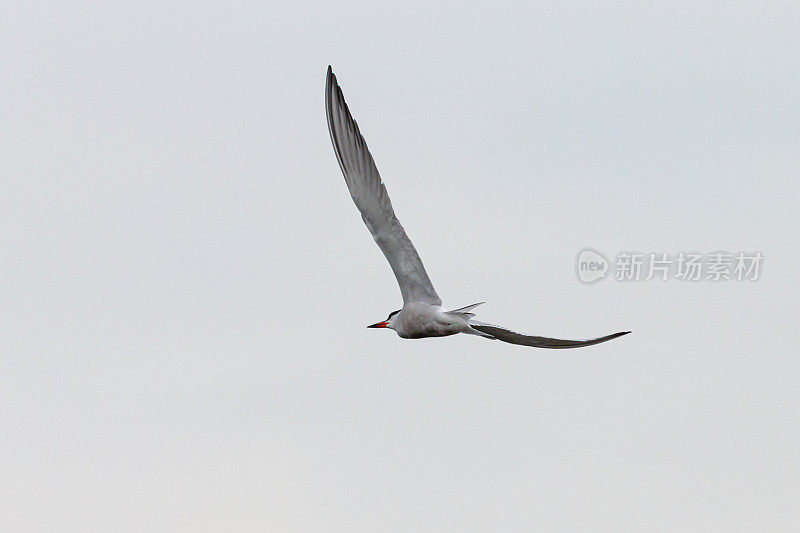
pixel 466 310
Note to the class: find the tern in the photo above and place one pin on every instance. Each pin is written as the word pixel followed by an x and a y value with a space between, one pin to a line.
pixel 422 314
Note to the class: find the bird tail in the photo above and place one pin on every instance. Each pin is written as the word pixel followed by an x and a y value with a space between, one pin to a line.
pixel 466 310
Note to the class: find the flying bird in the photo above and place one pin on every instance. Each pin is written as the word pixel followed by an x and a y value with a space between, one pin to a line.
pixel 422 314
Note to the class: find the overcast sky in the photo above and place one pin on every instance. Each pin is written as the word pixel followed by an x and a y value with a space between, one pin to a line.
pixel 185 281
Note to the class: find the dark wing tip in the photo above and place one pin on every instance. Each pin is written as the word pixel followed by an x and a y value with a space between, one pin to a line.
pixel 330 78
pixel 335 105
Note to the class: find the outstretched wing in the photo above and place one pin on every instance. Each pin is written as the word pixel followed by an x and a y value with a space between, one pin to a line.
pixel 372 200
pixel 513 337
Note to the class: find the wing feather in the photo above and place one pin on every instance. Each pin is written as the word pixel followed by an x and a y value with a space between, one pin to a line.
pixel 513 337
pixel 370 196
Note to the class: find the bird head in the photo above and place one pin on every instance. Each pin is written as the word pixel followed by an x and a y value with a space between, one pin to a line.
pixel 388 323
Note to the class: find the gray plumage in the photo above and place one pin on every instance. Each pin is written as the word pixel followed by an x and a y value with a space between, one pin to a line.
pixel 370 196
pixel 513 337
pixel 422 314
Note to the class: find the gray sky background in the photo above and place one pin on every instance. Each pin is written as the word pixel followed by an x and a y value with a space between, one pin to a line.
pixel 185 282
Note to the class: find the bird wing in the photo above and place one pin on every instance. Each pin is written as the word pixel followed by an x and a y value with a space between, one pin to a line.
pixel 372 200
pixel 513 337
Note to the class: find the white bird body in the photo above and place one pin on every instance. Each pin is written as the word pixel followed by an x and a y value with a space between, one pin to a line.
pixel 417 320
pixel 422 314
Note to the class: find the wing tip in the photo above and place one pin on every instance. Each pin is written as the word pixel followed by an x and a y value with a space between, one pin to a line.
pixel 613 336
pixel 330 77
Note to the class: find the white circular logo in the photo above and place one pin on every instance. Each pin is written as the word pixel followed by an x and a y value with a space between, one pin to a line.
pixel 591 265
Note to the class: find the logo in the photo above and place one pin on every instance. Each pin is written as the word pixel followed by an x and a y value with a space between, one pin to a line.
pixel 592 266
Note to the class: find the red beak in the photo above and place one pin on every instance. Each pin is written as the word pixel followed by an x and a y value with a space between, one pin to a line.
pixel 379 325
